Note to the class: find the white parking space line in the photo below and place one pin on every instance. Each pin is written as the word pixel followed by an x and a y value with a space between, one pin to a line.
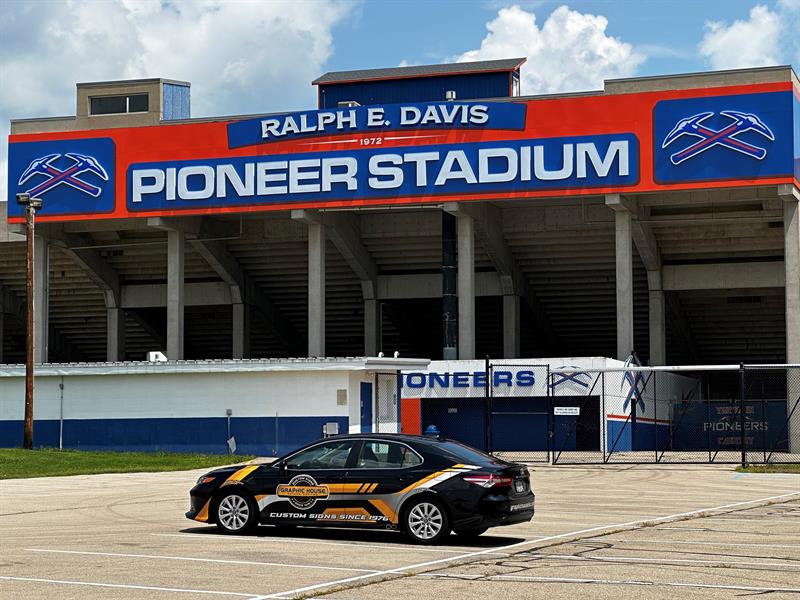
pixel 696 543
pixel 627 525
pixel 207 560
pixel 661 561
pixel 387 546
pixel 681 584
pixel 128 587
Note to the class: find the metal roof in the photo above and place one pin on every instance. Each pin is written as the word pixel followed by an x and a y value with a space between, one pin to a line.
pixel 505 64
pixel 361 363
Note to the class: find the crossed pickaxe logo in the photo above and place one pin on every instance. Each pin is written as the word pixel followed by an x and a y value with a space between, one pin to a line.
pixel 636 383
pixel 69 176
pixel 562 377
pixel 725 137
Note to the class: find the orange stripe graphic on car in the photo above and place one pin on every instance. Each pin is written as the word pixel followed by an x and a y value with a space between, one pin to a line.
pixel 385 509
pixel 240 474
pixel 202 516
pixel 343 488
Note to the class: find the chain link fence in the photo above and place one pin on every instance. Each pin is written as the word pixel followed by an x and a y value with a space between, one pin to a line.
pixel 632 414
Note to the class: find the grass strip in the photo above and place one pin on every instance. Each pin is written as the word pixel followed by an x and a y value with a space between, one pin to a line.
pixel 770 468
pixel 47 462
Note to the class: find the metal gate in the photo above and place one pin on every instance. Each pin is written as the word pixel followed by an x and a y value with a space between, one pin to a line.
pixel 630 414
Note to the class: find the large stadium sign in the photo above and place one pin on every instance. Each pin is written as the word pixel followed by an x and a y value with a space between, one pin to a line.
pixel 416 153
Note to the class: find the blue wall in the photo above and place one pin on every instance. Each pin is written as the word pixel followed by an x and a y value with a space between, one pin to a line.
pixel 176 102
pixel 263 436
pixel 416 89
pixel 622 436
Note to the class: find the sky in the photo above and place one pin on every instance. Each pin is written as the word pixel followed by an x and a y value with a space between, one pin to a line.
pixel 255 56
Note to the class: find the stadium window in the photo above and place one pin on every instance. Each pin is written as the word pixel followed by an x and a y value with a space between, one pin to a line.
pixel 118 105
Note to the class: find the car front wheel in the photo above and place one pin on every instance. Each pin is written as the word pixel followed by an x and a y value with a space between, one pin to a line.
pixel 236 513
pixel 425 521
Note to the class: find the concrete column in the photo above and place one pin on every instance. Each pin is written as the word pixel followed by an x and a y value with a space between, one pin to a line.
pixel 465 227
pixel 511 306
pixel 41 282
pixel 372 327
pixel 240 330
pixel 624 282
pixel 176 249
pixel 658 326
pixel 316 289
pixel 791 228
pixel 115 334
pixel 791 258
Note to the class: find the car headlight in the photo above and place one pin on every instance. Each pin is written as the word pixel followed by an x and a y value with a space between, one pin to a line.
pixel 205 479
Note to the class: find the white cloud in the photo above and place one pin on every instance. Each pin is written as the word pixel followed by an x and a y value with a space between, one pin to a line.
pixel 569 52
pixel 239 56
pixel 751 43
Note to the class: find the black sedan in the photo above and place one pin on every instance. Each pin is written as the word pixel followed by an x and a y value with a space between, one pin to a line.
pixel 424 486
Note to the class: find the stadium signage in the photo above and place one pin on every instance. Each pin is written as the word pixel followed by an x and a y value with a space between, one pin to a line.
pixel 390 117
pixel 498 166
pixel 468 379
pixel 401 154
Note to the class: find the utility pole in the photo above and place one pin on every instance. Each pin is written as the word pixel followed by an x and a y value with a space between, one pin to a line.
pixel 31 205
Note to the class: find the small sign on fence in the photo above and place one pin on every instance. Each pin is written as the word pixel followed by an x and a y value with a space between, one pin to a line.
pixel 567 411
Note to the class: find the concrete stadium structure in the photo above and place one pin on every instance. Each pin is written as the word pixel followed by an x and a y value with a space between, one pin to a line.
pixel 701 272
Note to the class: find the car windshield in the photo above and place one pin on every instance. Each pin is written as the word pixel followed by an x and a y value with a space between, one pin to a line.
pixel 469 455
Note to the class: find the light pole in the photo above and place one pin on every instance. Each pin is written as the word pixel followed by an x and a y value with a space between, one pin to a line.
pixel 31 206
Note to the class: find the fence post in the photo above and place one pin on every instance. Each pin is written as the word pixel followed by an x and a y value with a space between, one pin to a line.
pixel 655 414
pixel 551 455
pixel 604 416
pixel 487 408
pixel 741 413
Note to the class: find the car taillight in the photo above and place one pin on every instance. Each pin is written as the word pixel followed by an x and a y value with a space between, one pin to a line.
pixel 488 481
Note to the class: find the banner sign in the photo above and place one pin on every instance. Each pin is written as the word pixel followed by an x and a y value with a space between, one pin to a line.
pixel 71 176
pixel 395 154
pixel 723 137
pixel 719 425
pixel 377 119
pixel 554 163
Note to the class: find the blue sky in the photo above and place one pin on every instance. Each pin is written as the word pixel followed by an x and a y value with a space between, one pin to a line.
pixel 668 32
pixel 255 56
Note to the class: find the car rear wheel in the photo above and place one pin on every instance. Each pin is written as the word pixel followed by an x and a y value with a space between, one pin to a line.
pixel 471 533
pixel 425 521
pixel 236 513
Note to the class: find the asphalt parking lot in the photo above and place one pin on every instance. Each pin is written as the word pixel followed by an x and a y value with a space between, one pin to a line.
pixel 601 531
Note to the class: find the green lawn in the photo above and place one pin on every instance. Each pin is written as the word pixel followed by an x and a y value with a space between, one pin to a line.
pixel 770 468
pixel 18 463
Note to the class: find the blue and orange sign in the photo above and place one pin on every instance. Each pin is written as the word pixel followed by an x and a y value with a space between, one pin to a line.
pixel 417 153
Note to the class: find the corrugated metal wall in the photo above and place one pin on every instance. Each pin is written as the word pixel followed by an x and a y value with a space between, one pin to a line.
pixel 416 89
pixel 176 102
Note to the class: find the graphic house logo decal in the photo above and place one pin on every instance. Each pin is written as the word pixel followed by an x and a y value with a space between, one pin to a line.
pixel 45 176
pixel 725 137
pixel 302 491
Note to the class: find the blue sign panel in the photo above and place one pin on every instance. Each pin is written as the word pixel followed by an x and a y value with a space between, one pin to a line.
pixel 466 379
pixel 439 170
pixel 718 425
pixel 796 136
pixel 70 176
pixel 377 119
pixel 746 136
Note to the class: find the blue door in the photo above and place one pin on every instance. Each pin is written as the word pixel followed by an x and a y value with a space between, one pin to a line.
pixel 366 407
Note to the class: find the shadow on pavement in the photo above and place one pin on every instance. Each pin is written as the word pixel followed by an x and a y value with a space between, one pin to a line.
pixel 355 535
